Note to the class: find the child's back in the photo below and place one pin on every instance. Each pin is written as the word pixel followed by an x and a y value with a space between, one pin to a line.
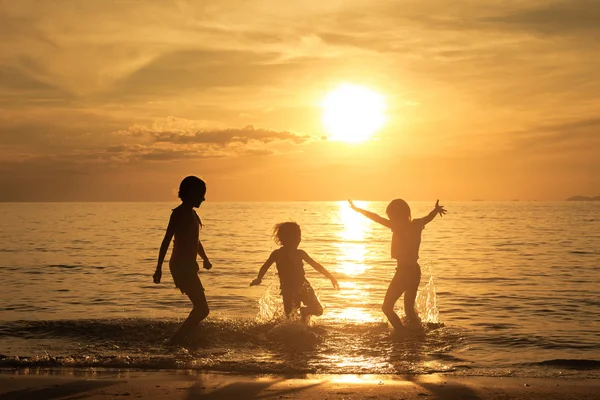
pixel 406 240
pixel 185 237
pixel 290 268
pixel 295 289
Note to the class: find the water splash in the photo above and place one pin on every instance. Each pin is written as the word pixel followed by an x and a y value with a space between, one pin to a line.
pixel 270 305
pixel 426 302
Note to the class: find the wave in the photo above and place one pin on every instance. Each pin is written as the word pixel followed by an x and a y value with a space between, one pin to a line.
pixel 578 364
pixel 232 345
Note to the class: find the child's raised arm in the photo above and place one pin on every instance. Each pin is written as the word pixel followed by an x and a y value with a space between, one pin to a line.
pixel 164 247
pixel 319 268
pixel 436 210
pixel 371 215
pixel 263 270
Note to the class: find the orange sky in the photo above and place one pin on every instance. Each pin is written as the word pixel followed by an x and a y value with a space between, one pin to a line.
pixel 119 100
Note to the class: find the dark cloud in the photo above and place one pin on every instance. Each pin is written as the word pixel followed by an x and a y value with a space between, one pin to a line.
pixel 220 137
pixel 553 18
pixel 168 145
pixel 227 136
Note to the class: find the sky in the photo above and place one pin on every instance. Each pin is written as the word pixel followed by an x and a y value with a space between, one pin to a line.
pixel 119 100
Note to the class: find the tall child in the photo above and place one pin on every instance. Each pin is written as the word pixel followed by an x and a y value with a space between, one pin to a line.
pixel 184 227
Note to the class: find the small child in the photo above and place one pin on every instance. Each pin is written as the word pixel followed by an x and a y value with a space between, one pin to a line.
pixel 184 226
pixel 406 240
pixel 295 289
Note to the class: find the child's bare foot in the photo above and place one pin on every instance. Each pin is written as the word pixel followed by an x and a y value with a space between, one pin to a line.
pixel 304 316
pixel 178 340
pixel 412 322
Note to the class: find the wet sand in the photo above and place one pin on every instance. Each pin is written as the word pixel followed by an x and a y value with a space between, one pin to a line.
pixel 71 384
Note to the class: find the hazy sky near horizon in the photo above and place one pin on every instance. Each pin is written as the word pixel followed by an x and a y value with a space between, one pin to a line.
pixel 119 100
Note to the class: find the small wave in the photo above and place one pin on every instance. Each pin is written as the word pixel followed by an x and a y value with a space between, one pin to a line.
pixel 579 364
pixel 74 267
pixel 64 266
pixel 234 345
pixel 508 340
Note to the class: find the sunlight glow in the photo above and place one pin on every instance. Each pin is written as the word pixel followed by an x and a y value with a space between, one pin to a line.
pixel 351 246
pixel 355 314
pixel 353 113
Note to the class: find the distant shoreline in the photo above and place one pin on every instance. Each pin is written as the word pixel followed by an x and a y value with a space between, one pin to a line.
pixel 583 198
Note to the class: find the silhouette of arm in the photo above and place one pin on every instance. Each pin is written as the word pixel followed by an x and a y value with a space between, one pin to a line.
pixel 319 268
pixel 164 247
pixel 206 263
pixel 372 216
pixel 263 270
pixel 436 210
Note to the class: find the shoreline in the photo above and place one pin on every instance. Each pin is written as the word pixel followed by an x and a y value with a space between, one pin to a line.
pixel 186 384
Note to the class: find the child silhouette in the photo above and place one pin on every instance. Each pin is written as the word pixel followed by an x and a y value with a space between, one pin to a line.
pixel 184 226
pixel 406 240
pixel 295 289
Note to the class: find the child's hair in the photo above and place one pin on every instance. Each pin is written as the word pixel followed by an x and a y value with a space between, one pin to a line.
pixel 286 233
pixel 398 210
pixel 189 185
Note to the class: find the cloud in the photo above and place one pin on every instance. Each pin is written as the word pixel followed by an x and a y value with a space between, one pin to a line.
pixel 227 136
pixel 582 136
pixel 174 139
pixel 193 71
pixel 552 18
pixel 181 135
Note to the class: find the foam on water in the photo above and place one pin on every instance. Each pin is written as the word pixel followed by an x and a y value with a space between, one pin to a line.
pixel 226 345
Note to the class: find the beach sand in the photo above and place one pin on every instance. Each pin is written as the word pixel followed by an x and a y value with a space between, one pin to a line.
pixel 72 384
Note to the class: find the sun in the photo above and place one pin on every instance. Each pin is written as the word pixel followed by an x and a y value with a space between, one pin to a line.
pixel 353 113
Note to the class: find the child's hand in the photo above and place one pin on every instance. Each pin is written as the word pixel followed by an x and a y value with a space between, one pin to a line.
pixel 206 264
pixel 439 209
pixel 351 204
pixel 157 275
pixel 255 282
pixel 335 283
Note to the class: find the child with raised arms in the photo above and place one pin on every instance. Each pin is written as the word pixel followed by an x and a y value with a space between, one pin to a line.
pixel 406 240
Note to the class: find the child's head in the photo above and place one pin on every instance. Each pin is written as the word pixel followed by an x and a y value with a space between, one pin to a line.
pixel 287 234
pixel 192 189
pixel 398 211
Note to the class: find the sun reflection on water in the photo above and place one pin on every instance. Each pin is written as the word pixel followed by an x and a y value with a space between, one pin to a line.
pixel 352 251
pixel 352 248
pixel 355 314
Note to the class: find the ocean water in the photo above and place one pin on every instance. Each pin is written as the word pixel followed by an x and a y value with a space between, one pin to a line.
pixel 508 289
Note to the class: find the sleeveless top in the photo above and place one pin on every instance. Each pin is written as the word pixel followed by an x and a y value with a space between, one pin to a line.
pixel 290 269
pixel 185 239
pixel 406 240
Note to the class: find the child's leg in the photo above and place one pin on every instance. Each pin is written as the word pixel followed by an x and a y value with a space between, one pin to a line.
pixel 409 305
pixel 411 294
pixel 195 292
pixel 289 303
pixel 311 302
pixel 392 295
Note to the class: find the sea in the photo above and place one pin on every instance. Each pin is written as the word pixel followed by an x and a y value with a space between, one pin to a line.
pixel 507 289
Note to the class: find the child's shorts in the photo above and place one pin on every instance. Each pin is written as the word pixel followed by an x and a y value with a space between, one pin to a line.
pixel 293 299
pixel 185 279
pixel 407 277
